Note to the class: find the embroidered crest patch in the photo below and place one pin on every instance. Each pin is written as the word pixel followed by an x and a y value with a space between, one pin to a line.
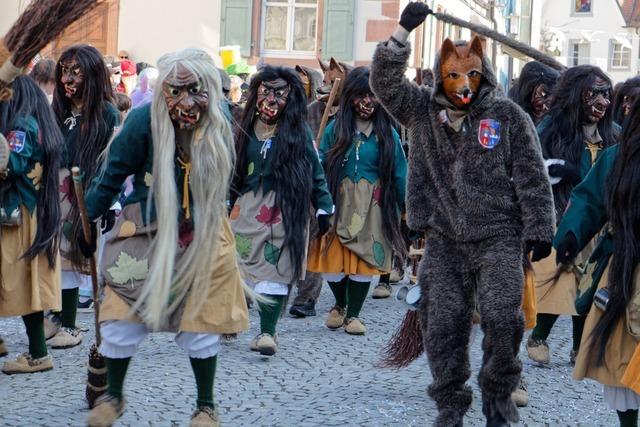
pixel 489 133
pixel 16 140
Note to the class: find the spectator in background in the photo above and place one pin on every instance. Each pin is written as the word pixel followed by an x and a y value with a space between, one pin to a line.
pixel 123 103
pixel 141 66
pixel 143 93
pixel 44 73
pixel 129 77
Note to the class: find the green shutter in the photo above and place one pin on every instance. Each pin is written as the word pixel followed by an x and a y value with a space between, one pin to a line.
pixel 236 24
pixel 337 33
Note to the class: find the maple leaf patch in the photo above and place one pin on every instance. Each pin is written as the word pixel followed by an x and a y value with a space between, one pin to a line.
pixel 128 269
pixel 269 216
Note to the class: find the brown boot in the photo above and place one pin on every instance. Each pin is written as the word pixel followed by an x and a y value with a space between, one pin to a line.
pixel 336 318
pixel 106 411
pixel 383 290
pixel 205 416
pixel 267 344
pixel 3 348
pixel 355 326
pixel 538 351
pixel 520 395
pixel 25 364
pixel 253 345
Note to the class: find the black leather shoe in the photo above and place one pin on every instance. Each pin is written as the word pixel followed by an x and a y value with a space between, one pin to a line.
pixel 307 309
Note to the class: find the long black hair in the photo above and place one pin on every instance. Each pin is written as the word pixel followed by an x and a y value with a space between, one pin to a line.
pixel 29 101
pixel 622 193
pixel 630 89
pixel 356 86
pixel 563 137
pixel 291 168
pixel 94 133
pixel 533 74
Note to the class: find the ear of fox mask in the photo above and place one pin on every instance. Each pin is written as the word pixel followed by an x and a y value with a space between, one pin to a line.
pixel 475 47
pixel 323 65
pixel 448 49
pixel 334 65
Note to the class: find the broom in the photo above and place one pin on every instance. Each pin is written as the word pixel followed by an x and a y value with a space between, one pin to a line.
pixel 40 23
pixel 97 370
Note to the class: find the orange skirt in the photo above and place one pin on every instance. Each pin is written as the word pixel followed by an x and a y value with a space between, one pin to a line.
pixel 337 259
pixel 529 301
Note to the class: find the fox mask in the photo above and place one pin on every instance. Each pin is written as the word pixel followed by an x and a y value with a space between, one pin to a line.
pixel 331 71
pixel 461 71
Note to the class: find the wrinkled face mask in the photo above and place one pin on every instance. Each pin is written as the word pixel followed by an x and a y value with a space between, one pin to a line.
pixel 72 79
pixel 596 100
pixel 540 101
pixel 272 99
pixel 365 106
pixel 186 99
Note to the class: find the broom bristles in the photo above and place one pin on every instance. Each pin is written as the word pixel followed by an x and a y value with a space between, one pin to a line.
pixel 501 38
pixel 96 376
pixel 405 345
pixel 41 23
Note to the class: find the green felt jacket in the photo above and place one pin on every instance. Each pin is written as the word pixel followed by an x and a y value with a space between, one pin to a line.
pixel 131 153
pixel 25 166
pixel 259 174
pixel 71 129
pixel 586 213
pixel 362 163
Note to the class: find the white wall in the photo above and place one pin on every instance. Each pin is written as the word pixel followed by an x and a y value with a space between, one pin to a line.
pixel 605 23
pixel 149 29
pixel 365 10
pixel 9 12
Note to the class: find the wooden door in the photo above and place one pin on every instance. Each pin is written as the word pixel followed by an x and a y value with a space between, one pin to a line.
pixel 98 28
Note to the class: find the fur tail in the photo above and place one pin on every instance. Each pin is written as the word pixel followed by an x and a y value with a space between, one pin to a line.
pixel 405 345
pixel 501 38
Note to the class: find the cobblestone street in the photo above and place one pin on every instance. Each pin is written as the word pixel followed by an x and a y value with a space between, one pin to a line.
pixel 318 378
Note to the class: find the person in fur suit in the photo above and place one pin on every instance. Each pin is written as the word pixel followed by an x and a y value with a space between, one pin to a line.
pixel 477 187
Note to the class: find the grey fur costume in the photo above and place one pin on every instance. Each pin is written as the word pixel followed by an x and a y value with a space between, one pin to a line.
pixel 477 206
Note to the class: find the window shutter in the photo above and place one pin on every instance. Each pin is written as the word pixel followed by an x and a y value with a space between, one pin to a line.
pixel 337 33
pixel 236 24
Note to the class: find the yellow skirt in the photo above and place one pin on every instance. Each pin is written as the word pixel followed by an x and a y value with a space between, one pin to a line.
pixel 26 286
pixel 631 377
pixel 529 300
pixel 337 259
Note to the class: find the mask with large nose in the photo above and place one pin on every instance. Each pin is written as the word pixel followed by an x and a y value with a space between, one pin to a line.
pixel 461 71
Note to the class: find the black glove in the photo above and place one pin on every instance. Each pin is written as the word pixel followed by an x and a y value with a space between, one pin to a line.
pixel 324 224
pixel 413 15
pixel 88 248
pixel 540 249
pixel 567 172
pixel 107 221
pixel 567 249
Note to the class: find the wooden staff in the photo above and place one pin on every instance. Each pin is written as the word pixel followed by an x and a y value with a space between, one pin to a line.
pixel 97 371
pixel 327 108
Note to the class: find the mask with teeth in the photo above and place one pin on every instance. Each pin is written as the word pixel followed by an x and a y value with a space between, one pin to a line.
pixel 365 106
pixel 72 79
pixel 596 100
pixel 540 101
pixel 186 99
pixel 271 100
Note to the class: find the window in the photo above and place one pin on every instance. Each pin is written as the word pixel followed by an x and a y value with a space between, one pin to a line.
pixel 582 6
pixel 578 53
pixel 289 26
pixel 620 56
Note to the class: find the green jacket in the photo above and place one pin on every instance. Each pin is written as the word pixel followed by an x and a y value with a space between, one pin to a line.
pixel 25 166
pixel 131 153
pixel 71 129
pixel 259 172
pixel 362 163
pixel 586 213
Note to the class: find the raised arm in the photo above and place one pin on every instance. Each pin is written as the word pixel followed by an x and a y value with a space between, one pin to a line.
pixel 399 96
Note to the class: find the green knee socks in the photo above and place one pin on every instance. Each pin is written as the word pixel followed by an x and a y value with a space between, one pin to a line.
pixel 116 371
pixel 544 323
pixel 270 313
pixel 69 307
pixel 34 323
pixel 628 418
pixel 339 290
pixel 356 294
pixel 578 327
pixel 205 372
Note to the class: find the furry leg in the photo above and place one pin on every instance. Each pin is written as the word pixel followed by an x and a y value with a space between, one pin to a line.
pixel 500 288
pixel 449 290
